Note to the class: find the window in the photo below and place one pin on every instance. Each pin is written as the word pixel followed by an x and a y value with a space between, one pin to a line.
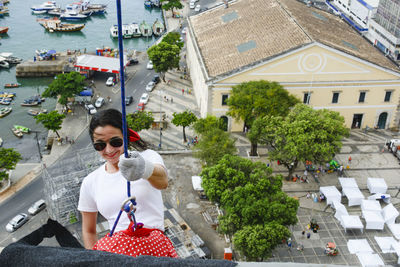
pixel 224 100
pixel 335 97
pixel 361 98
pixel 306 98
pixel 388 94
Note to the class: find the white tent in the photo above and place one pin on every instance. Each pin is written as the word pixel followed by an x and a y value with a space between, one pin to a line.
pixel 377 196
pixel 359 246
pixel 373 220
pixel 371 205
pixel 340 210
pixel 348 182
pixel 351 222
pixel 331 193
pixel 369 259
pixel 354 195
pixel 395 229
pixel 386 243
pixel 376 185
pixel 390 214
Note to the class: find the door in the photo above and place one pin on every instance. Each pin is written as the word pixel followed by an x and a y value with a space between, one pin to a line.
pixel 357 118
pixel 225 123
pixel 382 120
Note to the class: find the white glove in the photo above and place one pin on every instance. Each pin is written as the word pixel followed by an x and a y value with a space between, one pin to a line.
pixel 135 167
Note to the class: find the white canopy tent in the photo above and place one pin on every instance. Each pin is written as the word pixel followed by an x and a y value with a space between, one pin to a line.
pixel 369 259
pixel 390 214
pixel 378 196
pixel 354 195
pixel 386 243
pixel 351 222
pixel 331 193
pixel 373 220
pixel 359 246
pixel 395 229
pixel 376 185
pixel 370 205
pixel 348 182
pixel 340 210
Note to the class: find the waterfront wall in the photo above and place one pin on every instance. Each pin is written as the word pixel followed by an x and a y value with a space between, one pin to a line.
pixel 41 68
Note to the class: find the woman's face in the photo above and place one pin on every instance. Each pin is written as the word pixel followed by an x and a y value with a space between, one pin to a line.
pixel 105 134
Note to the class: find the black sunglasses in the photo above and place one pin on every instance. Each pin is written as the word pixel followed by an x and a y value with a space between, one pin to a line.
pixel 114 142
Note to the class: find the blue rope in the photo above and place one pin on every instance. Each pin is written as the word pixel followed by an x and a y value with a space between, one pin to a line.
pixel 115 223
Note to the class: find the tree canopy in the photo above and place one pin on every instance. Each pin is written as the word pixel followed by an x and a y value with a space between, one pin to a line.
pixel 171 4
pixel 184 119
pixel 305 134
pixel 65 85
pixel 51 121
pixel 250 100
pixel 140 120
pixel 164 56
pixel 173 38
pixel 253 202
pixel 9 158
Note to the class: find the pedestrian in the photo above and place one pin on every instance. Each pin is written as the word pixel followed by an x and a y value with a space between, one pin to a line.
pixel 308 235
pixel 183 91
pixel 190 91
pixel 350 159
pixel 187 90
pixel 341 170
pixel 289 243
pixel 66 139
pixel 308 194
pixel 305 173
pixel 303 233
pixel 172 100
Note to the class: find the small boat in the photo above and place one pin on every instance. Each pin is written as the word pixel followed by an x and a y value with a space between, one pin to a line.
pixel 22 129
pixel 3 30
pixel 158 28
pixel 126 31
pixel 6 94
pixel 57 26
pixel 34 112
pixel 49 5
pixel 55 12
pixel 145 29
pixel 5 101
pixel 135 29
pixel 39 12
pixel 12 85
pixel 30 103
pixel 1 142
pixel 73 15
pixel 5 111
pixel 17 132
pixel 147 3
pixel 4 63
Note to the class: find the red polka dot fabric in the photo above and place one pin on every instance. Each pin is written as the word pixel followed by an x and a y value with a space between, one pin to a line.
pixel 143 241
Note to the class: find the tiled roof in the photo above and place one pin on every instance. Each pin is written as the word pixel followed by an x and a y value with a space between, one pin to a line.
pixel 250 31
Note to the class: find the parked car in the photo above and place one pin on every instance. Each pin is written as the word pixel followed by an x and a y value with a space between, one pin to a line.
pixel 110 81
pixel 192 5
pixel 140 107
pixel 184 30
pixel 150 65
pixel 156 79
pixel 128 100
pixel 197 8
pixel 133 61
pixel 150 86
pixel 17 222
pixel 37 207
pixel 99 102
pixel 144 98
pixel 90 108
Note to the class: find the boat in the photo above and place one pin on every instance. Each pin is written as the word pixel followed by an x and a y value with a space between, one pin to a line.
pixel 135 29
pixel 126 31
pixel 1 142
pixel 17 132
pixel 30 103
pixel 72 15
pixel 5 111
pixel 7 94
pixel 56 11
pixel 158 28
pixel 10 58
pixel 4 63
pixel 58 26
pixel 147 3
pixel 5 101
pixel 48 5
pixel 35 112
pixel 12 85
pixel 39 12
pixel 3 30
pixel 22 129
pixel 156 3
pixel 145 29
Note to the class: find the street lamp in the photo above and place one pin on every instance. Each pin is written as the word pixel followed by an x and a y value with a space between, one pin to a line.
pixel 160 92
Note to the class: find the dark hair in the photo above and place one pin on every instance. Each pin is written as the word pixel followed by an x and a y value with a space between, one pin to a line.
pixel 112 117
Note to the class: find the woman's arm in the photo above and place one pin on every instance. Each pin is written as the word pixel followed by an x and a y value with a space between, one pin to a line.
pixel 89 220
pixel 159 177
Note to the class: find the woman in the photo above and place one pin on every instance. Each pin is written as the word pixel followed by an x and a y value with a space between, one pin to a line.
pixel 105 189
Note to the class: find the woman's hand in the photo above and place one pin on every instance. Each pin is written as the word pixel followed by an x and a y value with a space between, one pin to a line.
pixel 135 167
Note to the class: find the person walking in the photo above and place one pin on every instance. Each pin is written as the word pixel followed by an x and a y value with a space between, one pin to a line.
pixel 183 91
pixel 350 159
pixel 172 100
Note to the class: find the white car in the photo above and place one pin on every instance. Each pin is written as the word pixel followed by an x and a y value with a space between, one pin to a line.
pixel 149 65
pixel 150 86
pixel 110 81
pixel 184 30
pixel 99 102
pixel 91 109
pixel 191 5
pixel 144 98
pixel 37 207
pixel 197 8
pixel 17 222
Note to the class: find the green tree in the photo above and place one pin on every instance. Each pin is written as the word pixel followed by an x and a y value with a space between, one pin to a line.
pixel 250 100
pixel 257 242
pixel 205 125
pixel 65 85
pixel 8 160
pixel 51 121
pixel 164 56
pixel 173 38
pixel 139 120
pixel 304 134
pixel 171 4
pixel 184 119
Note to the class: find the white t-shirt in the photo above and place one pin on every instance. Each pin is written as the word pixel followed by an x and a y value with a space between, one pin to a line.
pixel 104 192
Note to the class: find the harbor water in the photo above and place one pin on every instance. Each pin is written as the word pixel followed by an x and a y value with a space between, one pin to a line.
pixel 25 36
